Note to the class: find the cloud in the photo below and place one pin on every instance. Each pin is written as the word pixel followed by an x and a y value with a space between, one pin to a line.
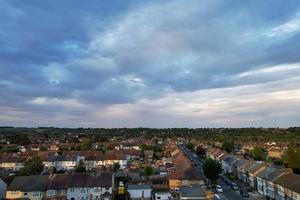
pixel 116 58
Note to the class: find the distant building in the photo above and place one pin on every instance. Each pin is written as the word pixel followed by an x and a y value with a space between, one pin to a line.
pixel 148 155
pixel 139 191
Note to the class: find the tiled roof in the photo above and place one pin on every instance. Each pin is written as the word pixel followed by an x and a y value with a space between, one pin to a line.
pixel 29 183
pixel 192 192
pixel 290 181
pixel 264 173
pixel 188 174
pixel 61 181
pixel 256 167
pixel 138 187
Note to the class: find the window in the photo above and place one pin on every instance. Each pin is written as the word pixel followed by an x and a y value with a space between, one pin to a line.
pixel 14 193
pixel 97 190
pixel 107 188
pixel 35 194
pixel 96 198
pixel 51 193
pixel 72 190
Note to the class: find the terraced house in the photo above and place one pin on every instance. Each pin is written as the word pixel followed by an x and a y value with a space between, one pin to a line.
pixel 79 186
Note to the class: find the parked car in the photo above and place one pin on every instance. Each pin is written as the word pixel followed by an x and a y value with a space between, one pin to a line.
pixel 234 186
pixel 244 193
pixel 219 188
pixel 227 181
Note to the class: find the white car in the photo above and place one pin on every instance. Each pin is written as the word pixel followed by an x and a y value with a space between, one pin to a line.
pixel 219 188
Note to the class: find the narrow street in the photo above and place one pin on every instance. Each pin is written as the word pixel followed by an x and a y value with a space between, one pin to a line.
pixel 229 193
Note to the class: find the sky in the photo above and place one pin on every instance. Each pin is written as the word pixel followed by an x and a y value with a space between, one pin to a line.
pixel 138 63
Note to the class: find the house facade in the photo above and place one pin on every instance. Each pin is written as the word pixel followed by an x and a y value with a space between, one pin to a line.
pixel 78 186
pixel 139 191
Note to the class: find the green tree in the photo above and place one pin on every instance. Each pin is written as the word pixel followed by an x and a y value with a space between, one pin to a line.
pixel 78 147
pixel 80 167
pixel 32 166
pixel 43 148
pixel 292 159
pixel 258 153
pixel 190 146
pixel 228 146
pixel 200 152
pixel 116 167
pixel 211 169
pixel 86 145
pixel 148 170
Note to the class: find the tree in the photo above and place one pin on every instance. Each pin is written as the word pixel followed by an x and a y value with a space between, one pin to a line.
pixel 43 148
pixel 80 167
pixel 258 153
pixel 292 159
pixel 148 170
pixel 32 166
pixel 228 146
pixel 211 169
pixel 78 147
pixel 190 146
pixel 21 139
pixel 200 152
pixel 86 145
pixel 116 167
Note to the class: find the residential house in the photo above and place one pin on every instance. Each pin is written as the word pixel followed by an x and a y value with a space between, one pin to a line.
pixel 227 163
pixel 3 187
pixel 11 162
pixel 28 187
pixel 288 187
pixel 252 174
pixel 22 149
pixel 163 196
pixel 237 164
pixel 148 155
pixel 61 162
pixel 132 154
pixel 128 146
pixel 262 180
pixel 90 186
pixel 195 192
pixel 108 160
pixel 83 186
pixel 35 147
pixel 139 191
pixel 57 187
pixel 243 170
pixel 275 152
pixel 215 154
pixel 188 177
pixel 271 178
pixel 53 147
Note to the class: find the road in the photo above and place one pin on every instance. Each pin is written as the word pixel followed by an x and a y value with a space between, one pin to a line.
pixel 228 194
